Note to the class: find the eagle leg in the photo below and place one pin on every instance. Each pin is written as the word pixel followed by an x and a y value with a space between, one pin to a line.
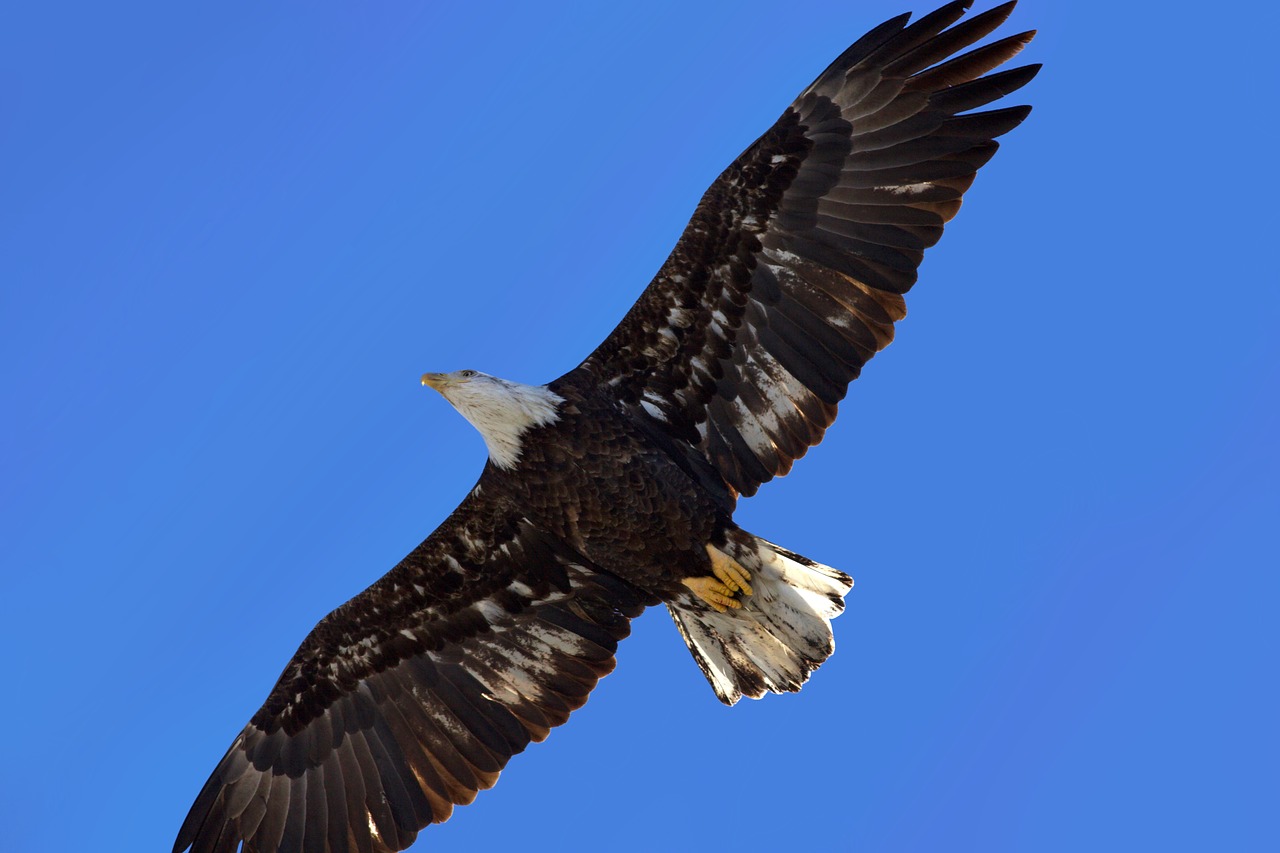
pixel 721 591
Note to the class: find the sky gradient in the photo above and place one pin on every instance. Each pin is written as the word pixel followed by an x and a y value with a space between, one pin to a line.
pixel 232 238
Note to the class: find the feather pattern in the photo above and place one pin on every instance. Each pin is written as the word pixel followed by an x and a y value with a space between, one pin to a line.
pixel 607 487
pixel 411 698
pixel 790 274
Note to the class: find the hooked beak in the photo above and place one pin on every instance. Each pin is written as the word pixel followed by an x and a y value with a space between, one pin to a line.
pixel 436 380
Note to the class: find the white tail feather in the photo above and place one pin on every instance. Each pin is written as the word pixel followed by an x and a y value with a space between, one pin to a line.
pixel 781 634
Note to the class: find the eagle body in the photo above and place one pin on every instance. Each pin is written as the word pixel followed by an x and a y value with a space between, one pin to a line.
pixel 593 474
pixel 613 487
pixel 597 479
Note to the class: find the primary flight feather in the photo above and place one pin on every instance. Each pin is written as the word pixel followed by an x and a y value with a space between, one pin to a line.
pixel 613 487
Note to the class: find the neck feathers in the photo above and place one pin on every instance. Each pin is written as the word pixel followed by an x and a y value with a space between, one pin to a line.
pixel 503 412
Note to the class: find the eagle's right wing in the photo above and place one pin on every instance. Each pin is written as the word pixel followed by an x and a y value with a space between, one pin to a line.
pixel 790 274
pixel 412 696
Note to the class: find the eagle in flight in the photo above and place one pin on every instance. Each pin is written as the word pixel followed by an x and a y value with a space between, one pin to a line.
pixel 612 488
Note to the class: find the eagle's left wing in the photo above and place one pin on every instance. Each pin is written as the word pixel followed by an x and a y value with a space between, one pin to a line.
pixel 412 696
pixel 790 274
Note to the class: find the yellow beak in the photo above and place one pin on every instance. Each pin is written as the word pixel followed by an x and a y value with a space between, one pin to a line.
pixel 435 380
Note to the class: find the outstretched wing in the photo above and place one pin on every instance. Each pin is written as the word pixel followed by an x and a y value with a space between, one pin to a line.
pixel 790 274
pixel 411 697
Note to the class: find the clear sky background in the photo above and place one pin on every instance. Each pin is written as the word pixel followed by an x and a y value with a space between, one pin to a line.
pixel 232 238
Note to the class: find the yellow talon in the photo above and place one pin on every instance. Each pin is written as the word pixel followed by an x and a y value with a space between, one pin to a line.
pixel 721 591
pixel 714 593
pixel 729 571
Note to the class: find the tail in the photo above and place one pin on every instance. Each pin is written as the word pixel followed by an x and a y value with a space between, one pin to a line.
pixel 782 632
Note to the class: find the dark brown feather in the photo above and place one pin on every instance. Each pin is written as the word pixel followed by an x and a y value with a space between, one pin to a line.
pixel 955 39
pixel 856 178
pixel 405 702
pixel 412 697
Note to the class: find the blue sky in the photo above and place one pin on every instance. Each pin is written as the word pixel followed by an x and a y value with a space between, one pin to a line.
pixel 232 238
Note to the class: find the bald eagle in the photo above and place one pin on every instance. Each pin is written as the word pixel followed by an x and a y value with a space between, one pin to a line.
pixel 613 488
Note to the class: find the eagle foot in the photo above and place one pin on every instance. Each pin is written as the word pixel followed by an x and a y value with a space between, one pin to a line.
pixel 714 593
pixel 729 585
pixel 729 571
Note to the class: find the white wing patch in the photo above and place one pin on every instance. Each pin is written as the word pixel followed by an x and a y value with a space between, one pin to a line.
pixel 908 189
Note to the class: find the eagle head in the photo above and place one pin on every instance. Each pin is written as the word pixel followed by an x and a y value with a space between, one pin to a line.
pixel 502 411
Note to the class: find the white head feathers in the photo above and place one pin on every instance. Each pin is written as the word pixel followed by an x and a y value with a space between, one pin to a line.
pixel 502 411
